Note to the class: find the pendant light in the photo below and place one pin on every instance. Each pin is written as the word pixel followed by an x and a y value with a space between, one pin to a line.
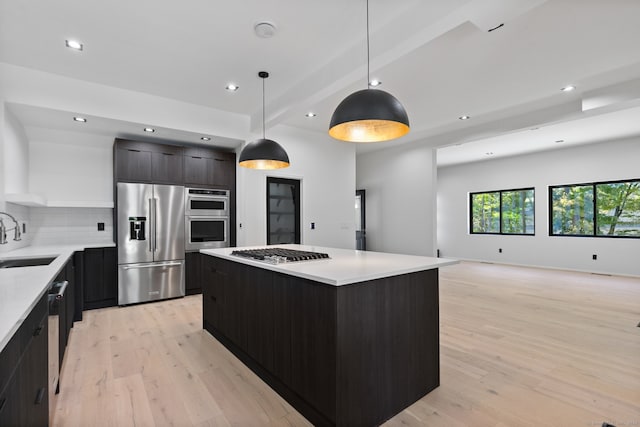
pixel 263 153
pixel 369 115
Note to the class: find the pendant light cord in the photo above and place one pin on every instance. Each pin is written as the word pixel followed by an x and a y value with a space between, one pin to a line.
pixel 368 76
pixel 263 125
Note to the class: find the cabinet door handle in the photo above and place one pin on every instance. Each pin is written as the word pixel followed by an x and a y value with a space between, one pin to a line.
pixel 37 331
pixel 219 160
pixel 2 404
pixel 168 154
pixel 40 395
pixel 194 157
pixel 135 151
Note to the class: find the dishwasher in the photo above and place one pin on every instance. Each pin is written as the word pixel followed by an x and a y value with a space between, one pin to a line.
pixel 57 320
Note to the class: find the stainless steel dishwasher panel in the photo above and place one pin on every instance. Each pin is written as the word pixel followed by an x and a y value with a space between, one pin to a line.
pixel 152 281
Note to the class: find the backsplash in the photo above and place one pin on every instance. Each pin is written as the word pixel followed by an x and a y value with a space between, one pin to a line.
pixel 51 226
pixel 21 214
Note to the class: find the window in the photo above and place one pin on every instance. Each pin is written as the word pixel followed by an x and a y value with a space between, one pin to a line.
pixel 503 212
pixel 572 210
pixel 485 212
pixel 604 209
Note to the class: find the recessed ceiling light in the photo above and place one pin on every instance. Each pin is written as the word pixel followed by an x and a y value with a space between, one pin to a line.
pixel 205 138
pixel 310 114
pixel 568 88
pixel 73 44
pixel 374 83
pixel 80 119
pixel 464 117
pixel 149 130
pixel 559 141
pixel 265 29
pixel 232 88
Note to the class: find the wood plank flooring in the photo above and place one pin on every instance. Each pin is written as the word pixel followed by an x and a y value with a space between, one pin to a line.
pixel 519 347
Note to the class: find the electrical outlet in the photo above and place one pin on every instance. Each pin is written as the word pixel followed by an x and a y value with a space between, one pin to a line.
pixel 24 227
pixel 101 226
pixel 313 225
pixel 594 257
pixel 500 250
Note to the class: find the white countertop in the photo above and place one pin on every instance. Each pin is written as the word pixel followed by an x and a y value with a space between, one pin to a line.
pixel 345 267
pixel 22 287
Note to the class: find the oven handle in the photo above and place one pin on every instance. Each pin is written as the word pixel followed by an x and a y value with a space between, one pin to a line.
pixel 206 217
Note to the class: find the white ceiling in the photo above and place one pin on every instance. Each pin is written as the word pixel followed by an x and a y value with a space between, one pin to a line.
pixel 436 57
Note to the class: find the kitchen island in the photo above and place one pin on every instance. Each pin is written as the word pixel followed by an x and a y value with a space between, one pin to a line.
pixel 348 341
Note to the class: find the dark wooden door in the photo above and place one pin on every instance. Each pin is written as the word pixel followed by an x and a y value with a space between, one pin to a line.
pixel 222 171
pixel 166 165
pixel 195 169
pixel 100 278
pixel 193 272
pixel 132 165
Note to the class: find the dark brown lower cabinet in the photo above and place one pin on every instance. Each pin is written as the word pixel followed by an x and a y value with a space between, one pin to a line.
pixel 100 278
pixel 352 355
pixel 24 399
pixel 67 312
pixel 193 272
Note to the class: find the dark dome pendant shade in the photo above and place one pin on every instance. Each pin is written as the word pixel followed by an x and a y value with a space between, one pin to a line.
pixel 263 153
pixel 369 115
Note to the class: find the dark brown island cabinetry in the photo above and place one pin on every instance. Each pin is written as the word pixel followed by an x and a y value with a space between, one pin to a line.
pixel 351 355
pixel 24 399
pixel 100 278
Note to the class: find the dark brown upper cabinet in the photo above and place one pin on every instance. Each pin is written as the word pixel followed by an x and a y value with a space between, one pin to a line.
pixel 136 161
pixel 210 168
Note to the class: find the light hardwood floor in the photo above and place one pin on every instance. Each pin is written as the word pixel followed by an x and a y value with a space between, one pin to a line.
pixel 519 347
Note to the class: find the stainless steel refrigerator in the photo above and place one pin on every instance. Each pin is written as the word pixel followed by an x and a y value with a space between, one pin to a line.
pixel 150 242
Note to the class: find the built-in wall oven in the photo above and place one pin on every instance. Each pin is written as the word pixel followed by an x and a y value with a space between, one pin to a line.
pixel 206 219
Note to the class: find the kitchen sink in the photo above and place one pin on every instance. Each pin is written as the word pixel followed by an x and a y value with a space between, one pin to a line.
pixel 25 262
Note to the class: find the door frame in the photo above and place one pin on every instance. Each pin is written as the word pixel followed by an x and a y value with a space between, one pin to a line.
pixel 363 217
pixel 297 202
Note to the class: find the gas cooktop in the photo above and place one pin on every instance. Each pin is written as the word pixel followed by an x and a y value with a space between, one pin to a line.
pixel 279 255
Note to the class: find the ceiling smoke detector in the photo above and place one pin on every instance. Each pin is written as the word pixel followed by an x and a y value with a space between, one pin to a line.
pixel 265 29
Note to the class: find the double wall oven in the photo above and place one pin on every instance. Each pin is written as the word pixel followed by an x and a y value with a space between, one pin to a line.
pixel 206 218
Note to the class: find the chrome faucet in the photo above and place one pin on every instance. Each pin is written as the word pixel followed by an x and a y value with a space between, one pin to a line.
pixel 3 229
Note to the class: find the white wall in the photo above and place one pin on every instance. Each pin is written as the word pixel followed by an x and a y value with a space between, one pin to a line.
pixel 400 199
pixel 327 171
pixel 70 166
pixel 14 155
pixel 56 226
pixel 614 160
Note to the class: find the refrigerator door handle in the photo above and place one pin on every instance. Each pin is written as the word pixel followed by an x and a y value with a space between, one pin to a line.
pixel 155 224
pixel 154 265
pixel 152 224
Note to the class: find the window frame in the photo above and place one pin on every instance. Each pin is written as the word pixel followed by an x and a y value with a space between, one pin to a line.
pixel 593 186
pixel 501 232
